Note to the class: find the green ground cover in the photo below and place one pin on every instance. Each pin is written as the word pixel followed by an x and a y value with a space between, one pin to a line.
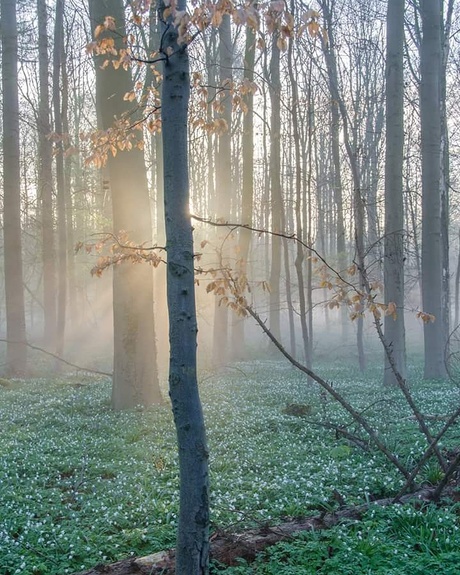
pixel 81 485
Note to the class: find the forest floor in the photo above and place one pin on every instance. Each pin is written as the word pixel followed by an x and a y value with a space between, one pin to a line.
pixel 84 487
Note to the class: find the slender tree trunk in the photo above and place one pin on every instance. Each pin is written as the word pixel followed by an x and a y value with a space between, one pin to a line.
pixel 457 287
pixel 248 184
pixel 135 379
pixel 430 66
pixel 16 351
pixel 325 216
pixel 299 200
pixel 156 142
pixel 68 161
pixel 308 213
pixel 445 170
pixel 394 208
pixel 45 182
pixel 192 547
pixel 376 119
pixel 60 182
pixel 210 48
pixel 331 64
pixel 275 188
pixel 358 201
pixel 221 351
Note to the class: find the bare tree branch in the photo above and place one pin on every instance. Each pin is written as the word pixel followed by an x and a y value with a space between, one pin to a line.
pixel 69 363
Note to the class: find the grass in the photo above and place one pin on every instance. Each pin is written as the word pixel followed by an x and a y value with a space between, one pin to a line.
pixel 81 485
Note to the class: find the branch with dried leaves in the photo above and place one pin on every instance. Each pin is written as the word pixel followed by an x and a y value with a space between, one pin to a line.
pixel 261 231
pixel 240 302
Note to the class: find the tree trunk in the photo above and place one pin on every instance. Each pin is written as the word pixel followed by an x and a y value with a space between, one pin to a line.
pixel 16 351
pixel 430 66
pixel 358 200
pixel 457 287
pixel 157 178
pixel 275 188
pixel 192 549
pixel 135 377
pixel 60 182
pixel 393 267
pixel 45 182
pixel 68 162
pixel 300 255
pixel 445 171
pixel 331 64
pixel 248 183
pixel 223 183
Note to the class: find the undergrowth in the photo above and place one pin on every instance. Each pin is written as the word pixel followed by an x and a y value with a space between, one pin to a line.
pixel 81 485
pixel 401 540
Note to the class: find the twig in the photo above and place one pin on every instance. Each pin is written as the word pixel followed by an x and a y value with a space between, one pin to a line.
pixel 447 475
pixel 407 395
pixel 427 453
pixel 69 363
pixel 235 226
pixel 337 396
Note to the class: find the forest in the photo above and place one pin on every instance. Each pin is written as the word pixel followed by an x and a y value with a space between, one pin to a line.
pixel 230 296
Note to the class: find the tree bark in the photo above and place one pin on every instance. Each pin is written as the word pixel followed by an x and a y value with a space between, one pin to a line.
pixel 221 351
pixel 394 208
pixel 445 170
pixel 299 200
pixel 16 351
pixel 332 73
pixel 358 199
pixel 45 182
pixel 192 550
pixel 69 203
pixel 275 187
pixel 135 378
pixel 60 181
pixel 430 66
pixel 248 184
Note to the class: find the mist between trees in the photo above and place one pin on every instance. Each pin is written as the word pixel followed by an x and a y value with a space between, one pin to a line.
pixel 313 146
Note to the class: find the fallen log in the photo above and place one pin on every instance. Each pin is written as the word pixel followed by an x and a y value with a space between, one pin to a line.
pixel 227 548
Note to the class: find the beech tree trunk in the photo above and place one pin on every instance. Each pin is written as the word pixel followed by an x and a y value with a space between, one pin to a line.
pixel 445 171
pixel 300 255
pixel 222 198
pixel 60 181
pixel 358 198
pixel 192 550
pixel 248 185
pixel 275 187
pixel 393 266
pixel 135 377
pixel 332 73
pixel 430 85
pixel 45 182
pixel 69 203
pixel 16 351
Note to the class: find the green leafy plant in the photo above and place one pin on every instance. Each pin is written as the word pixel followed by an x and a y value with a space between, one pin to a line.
pixel 81 485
